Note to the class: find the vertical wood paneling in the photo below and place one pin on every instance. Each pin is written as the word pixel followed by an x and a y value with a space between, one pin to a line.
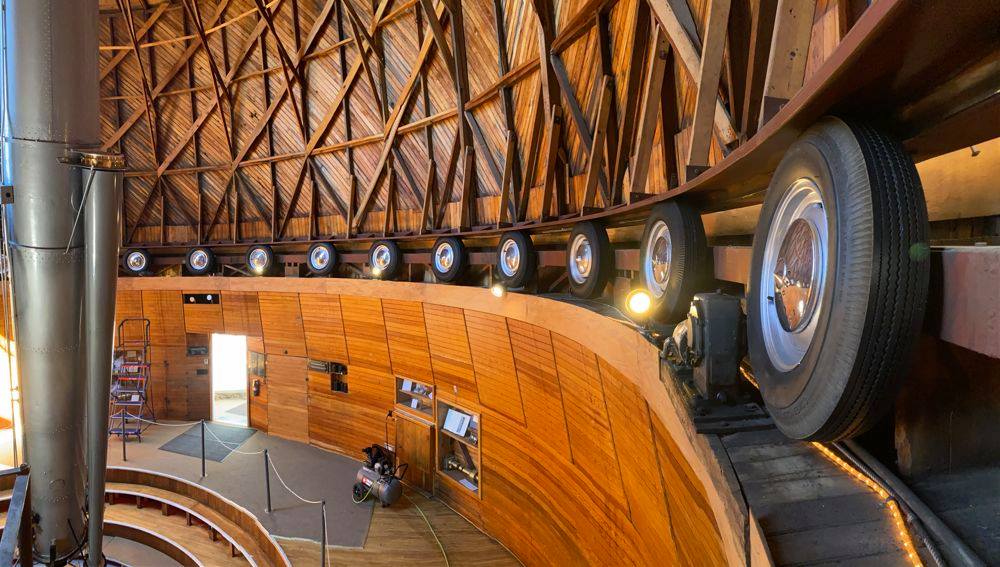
pixel 450 354
pixel 165 311
pixel 241 313
pixel 593 446
pixel 128 305
pixel 536 371
pixel 323 326
pixel 407 335
pixel 493 361
pixel 287 413
pixel 281 323
pixel 365 330
pixel 630 423
pixel 695 530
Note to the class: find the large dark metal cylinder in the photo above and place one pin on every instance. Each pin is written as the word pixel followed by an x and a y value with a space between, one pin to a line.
pixel 52 86
pixel 101 219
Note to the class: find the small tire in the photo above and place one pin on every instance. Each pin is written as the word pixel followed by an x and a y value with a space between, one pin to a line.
pixel 200 261
pixel 322 259
pixel 448 259
pixel 517 260
pixel 385 259
pixel 136 262
pixel 260 260
pixel 589 263
pixel 829 367
pixel 673 259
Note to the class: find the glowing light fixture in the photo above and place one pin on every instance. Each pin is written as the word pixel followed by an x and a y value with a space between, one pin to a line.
pixel 498 290
pixel 638 302
pixel 376 272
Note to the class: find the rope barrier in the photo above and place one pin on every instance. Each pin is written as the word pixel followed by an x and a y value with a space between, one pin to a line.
pixel 231 446
pixel 295 494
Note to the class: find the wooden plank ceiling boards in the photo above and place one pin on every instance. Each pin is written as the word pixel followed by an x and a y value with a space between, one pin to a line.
pixel 246 120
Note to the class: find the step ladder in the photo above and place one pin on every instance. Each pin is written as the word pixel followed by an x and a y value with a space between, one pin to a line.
pixel 130 388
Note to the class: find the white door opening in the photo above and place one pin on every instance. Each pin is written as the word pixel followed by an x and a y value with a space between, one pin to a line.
pixel 229 379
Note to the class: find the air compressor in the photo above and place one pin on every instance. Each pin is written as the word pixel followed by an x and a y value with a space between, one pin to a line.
pixel 379 477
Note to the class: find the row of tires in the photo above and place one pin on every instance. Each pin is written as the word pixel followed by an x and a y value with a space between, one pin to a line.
pixel 837 287
pixel 674 256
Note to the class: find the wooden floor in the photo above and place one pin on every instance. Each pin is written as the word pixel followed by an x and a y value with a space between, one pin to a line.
pixel 811 512
pixel 969 502
pixel 399 536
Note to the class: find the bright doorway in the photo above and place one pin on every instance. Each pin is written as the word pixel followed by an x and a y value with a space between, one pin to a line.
pixel 229 379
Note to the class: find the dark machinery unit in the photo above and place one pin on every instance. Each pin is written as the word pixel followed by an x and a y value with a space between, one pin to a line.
pixel 379 477
pixel 705 352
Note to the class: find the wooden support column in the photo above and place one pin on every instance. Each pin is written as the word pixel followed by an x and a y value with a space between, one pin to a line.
pixel 506 205
pixel 427 210
pixel 633 94
pixel 647 115
pixel 708 88
pixel 596 160
pixel 786 67
pixel 550 161
pixel 506 93
pixel 534 147
pixel 761 29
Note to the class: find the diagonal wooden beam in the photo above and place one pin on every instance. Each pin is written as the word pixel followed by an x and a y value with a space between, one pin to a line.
pixel 140 33
pixel 392 125
pixel 534 146
pixel 438 31
pixel 786 68
pixel 506 206
pixel 180 64
pixel 708 87
pixel 595 163
pixel 579 120
pixel 761 28
pixel 639 170
pixel 687 53
pixel 632 97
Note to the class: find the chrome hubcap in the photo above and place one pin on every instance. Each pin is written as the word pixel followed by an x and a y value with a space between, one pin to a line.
pixel 199 259
pixel 581 256
pixel 510 258
pixel 792 274
pixel 444 257
pixel 258 259
pixel 659 253
pixel 381 257
pixel 136 261
pixel 319 258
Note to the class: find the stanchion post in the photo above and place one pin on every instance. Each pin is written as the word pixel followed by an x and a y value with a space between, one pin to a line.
pixel 124 439
pixel 203 448
pixel 267 481
pixel 322 553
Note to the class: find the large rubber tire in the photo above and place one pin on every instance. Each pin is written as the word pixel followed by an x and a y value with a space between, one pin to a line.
pixel 688 272
pixel 874 289
pixel 528 265
pixel 269 260
pixel 207 268
pixel 460 260
pixel 331 263
pixel 602 263
pixel 395 266
pixel 142 256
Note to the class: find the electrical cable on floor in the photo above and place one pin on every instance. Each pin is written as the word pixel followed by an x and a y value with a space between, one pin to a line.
pixel 365 497
pixel 430 527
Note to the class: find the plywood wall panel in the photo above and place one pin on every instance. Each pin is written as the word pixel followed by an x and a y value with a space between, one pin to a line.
pixel 348 422
pixel 281 323
pixel 695 531
pixel 536 372
pixel 241 313
pixel 287 409
pixel 165 311
pixel 205 318
pixel 493 361
pixel 407 335
pixel 591 442
pixel 451 357
pixel 128 305
pixel 323 326
pixel 646 494
pixel 365 329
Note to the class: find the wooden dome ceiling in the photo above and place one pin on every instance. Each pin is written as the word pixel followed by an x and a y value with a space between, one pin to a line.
pixel 277 120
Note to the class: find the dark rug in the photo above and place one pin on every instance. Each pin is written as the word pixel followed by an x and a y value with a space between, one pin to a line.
pixel 189 442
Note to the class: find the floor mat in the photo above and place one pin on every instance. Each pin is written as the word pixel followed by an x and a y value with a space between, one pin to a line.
pixel 220 440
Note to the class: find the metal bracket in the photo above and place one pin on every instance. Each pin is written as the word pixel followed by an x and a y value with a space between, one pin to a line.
pixel 6 194
pixel 714 416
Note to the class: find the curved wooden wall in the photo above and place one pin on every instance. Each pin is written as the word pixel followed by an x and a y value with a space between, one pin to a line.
pixel 586 458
